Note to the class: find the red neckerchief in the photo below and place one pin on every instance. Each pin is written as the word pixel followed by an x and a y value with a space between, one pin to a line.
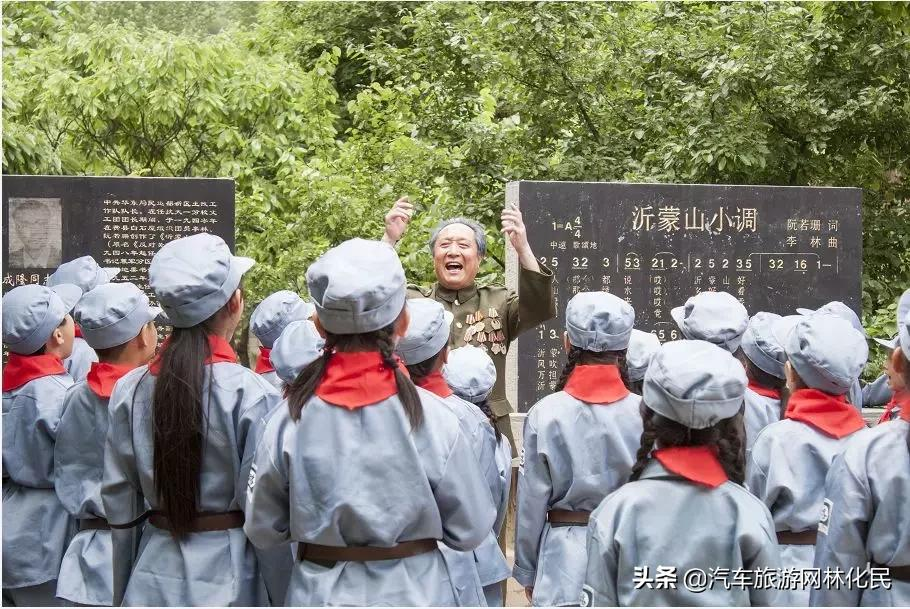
pixel 20 369
pixel 696 463
pixel 78 331
pixel 221 351
pixel 596 384
pixel 902 400
pixel 434 382
pixel 102 377
pixel 264 361
pixel 829 414
pixel 886 416
pixel 764 391
pixel 357 378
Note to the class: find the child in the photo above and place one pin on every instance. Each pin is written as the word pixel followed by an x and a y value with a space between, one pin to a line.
pixel 471 374
pixel 298 345
pixel 117 322
pixel 363 471
pixel 579 446
pixel 182 436
pixel 686 508
pixel 424 350
pixel 39 332
pixel 268 321
pixel 879 393
pixel 839 309
pixel 763 357
pixel 642 347
pixel 85 273
pixel 790 458
pixel 716 317
pixel 866 513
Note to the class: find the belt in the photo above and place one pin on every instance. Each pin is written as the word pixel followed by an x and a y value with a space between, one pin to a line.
pixel 901 573
pixel 803 538
pixel 94 524
pixel 568 518
pixel 203 522
pixel 331 554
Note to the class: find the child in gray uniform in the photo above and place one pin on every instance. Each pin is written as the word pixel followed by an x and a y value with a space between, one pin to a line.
pixel 39 332
pixel 579 446
pixel 866 512
pixel 685 509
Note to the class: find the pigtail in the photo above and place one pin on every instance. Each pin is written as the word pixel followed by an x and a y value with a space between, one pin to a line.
pixel 731 450
pixel 299 391
pixel 572 360
pixel 648 438
pixel 485 408
pixel 407 392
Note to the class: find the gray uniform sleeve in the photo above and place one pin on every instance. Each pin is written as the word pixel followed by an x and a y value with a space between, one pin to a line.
pixel 534 490
pixel 841 540
pixel 29 434
pixel 599 588
pixel 757 480
pixel 121 492
pixel 249 432
pixel 504 462
pixel 463 498
pixel 76 426
pixel 763 553
pixel 268 511
pixel 877 393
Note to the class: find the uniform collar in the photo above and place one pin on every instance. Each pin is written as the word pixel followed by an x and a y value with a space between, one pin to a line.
pixel 829 414
pixel 698 464
pixel 220 351
pixel 436 383
pixel 356 379
pixel 21 369
pixel 456 296
pixel 596 384
pixel 766 392
pixel 264 361
pixel 102 377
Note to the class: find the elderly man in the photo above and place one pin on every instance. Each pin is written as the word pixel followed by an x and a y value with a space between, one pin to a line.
pixel 490 317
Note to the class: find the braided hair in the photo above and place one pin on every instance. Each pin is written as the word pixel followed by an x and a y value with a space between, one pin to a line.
pixel 727 435
pixel 301 389
pixel 484 406
pixel 581 357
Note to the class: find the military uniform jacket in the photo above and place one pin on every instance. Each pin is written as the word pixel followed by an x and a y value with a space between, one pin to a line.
pixel 86 574
pixel 516 313
pixel 786 470
pixel 36 527
pixel 363 477
pixel 575 454
pixel 867 515
pixel 80 361
pixel 760 412
pixel 210 568
pixel 665 520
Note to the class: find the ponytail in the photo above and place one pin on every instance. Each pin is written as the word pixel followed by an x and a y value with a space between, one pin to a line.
pixel 179 424
pixel 301 389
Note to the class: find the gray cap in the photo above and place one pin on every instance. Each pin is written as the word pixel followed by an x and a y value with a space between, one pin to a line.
pixel 599 321
pixel 642 347
pixel 694 383
pixel 428 331
pixel 357 287
pixel 32 312
pixel 113 314
pixel 298 345
pixel 716 317
pixel 836 307
pixel 275 312
pixel 470 373
pixel 761 345
pixel 194 277
pixel 903 308
pixel 827 352
pixel 83 272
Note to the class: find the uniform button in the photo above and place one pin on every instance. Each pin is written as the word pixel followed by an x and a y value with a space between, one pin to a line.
pixel 458 324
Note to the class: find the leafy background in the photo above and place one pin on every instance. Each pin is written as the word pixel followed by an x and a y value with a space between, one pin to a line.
pixel 325 112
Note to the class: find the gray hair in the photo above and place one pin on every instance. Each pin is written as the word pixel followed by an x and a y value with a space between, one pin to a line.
pixel 479 236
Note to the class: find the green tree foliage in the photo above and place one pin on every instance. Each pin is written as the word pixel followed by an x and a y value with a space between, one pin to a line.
pixel 325 112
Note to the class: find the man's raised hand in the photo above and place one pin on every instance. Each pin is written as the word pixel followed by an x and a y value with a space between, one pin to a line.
pixel 396 221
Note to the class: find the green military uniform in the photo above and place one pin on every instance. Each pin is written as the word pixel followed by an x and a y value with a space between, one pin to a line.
pixel 492 317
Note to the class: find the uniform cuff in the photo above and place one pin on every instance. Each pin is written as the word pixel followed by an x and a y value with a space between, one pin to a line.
pixel 525 577
pixel 545 274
